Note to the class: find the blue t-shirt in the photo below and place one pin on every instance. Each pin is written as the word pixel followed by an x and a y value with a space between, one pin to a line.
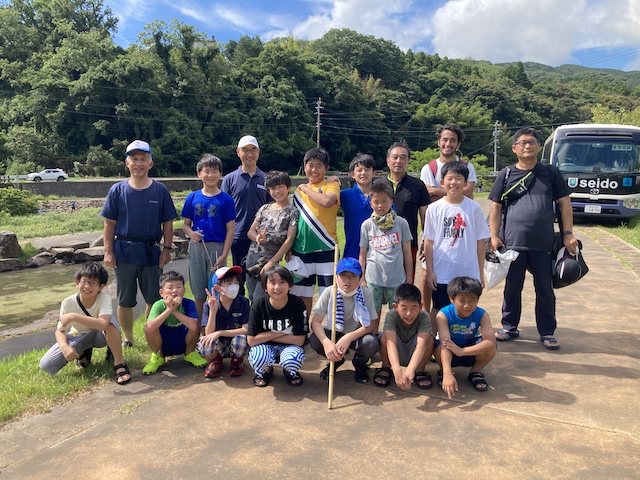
pixel 209 215
pixel 139 215
pixel 463 330
pixel 235 317
pixel 356 208
pixel 249 194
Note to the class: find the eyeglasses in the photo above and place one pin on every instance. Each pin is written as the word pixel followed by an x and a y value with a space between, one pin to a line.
pixel 85 283
pixel 249 150
pixel 523 143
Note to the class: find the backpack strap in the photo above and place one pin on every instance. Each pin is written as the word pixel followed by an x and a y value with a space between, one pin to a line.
pixel 433 166
pixel 86 312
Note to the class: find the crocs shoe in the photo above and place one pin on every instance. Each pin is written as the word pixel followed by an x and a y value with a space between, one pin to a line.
pixel 214 368
pixel 196 360
pixel 154 364
pixel 236 368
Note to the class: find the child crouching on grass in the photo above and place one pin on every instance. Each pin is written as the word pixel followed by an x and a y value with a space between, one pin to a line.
pixel 278 326
pixel 172 327
pixel 225 319
pixel 86 322
pixel 466 337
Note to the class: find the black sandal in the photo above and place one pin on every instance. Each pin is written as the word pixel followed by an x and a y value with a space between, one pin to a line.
pixel 263 380
pixel 84 360
pixel 382 377
pixel 361 374
pixel 324 374
pixel 121 374
pixel 294 379
pixel 421 380
pixel 478 381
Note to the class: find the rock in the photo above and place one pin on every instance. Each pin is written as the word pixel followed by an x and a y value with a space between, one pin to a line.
pixel 10 264
pixel 181 244
pixel 180 234
pixel 62 252
pixel 75 244
pixel 9 246
pixel 95 254
pixel 98 242
pixel 44 258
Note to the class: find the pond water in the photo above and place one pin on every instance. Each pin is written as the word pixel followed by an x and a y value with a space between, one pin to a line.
pixel 26 295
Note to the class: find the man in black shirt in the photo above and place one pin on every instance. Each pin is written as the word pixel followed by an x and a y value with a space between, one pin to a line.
pixel 410 195
pixel 528 229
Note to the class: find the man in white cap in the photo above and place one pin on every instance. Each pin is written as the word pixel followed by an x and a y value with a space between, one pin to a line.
pixel 138 213
pixel 246 186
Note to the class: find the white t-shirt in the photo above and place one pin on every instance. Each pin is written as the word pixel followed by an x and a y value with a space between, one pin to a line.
pixel 455 229
pixel 102 306
pixel 426 175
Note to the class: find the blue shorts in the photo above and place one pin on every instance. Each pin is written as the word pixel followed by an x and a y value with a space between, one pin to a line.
pixel 463 361
pixel 173 339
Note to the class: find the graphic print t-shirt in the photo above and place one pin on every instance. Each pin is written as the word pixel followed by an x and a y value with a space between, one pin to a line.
pixel 455 229
pixel 292 319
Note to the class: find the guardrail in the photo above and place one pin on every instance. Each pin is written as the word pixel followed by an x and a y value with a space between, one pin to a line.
pixel 12 178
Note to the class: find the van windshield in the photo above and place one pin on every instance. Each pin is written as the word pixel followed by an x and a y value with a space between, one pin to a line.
pixel 583 155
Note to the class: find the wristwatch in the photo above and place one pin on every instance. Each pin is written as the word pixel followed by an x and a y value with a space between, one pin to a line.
pixel 567 232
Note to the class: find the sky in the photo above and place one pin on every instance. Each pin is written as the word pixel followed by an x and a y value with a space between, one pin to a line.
pixel 591 33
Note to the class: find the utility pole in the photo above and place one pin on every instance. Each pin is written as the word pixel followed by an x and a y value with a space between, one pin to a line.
pixel 319 108
pixel 496 146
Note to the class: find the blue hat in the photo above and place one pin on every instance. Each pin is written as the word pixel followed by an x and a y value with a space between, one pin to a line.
pixel 349 264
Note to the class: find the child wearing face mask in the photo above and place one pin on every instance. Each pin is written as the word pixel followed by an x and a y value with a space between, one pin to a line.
pixel 355 321
pixel 225 317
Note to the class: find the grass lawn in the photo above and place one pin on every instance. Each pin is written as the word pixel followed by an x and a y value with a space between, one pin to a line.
pixel 629 232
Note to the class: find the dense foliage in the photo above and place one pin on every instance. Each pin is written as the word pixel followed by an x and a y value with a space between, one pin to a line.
pixel 17 202
pixel 71 98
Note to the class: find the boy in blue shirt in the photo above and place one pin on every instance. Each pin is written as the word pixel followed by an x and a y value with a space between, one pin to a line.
pixel 225 317
pixel 355 202
pixel 172 327
pixel 209 221
pixel 466 337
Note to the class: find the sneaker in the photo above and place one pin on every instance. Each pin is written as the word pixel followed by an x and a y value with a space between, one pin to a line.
pixel 196 360
pixel 235 367
pixel 214 368
pixel 154 364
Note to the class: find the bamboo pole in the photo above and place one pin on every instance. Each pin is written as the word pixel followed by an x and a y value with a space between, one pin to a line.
pixel 332 364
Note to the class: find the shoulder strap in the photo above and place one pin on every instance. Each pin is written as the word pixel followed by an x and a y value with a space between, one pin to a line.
pixel 462 160
pixel 433 166
pixel 86 312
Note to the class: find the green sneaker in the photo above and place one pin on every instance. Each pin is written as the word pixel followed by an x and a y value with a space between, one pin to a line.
pixel 196 360
pixel 154 364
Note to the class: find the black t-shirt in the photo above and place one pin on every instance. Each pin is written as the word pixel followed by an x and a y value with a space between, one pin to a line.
pixel 529 224
pixel 410 194
pixel 291 319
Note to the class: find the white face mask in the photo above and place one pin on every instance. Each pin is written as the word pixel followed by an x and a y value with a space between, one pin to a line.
pixel 231 291
pixel 347 294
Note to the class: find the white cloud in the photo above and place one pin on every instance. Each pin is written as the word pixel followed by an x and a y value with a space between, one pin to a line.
pixel 546 31
pixel 405 22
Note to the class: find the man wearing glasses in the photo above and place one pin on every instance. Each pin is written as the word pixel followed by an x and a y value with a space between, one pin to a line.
pixel 246 186
pixel 528 221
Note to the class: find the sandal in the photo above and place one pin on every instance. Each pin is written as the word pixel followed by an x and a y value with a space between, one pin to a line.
pixel 382 377
pixel 478 381
pixel 504 335
pixel 263 380
pixel 127 344
pixel 84 360
pixel 124 371
pixel 214 368
pixel 294 379
pixel 423 380
pixel 324 374
pixel 550 343
pixel 439 378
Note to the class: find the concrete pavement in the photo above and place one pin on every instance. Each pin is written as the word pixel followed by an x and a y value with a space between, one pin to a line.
pixel 572 413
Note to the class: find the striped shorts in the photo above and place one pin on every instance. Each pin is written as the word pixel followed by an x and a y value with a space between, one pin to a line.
pixel 320 267
pixel 225 346
pixel 262 356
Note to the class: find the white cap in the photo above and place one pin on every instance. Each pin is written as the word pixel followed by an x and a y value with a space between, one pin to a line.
pixel 138 145
pixel 248 140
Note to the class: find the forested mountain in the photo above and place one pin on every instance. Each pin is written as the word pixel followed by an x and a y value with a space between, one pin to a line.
pixel 71 98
